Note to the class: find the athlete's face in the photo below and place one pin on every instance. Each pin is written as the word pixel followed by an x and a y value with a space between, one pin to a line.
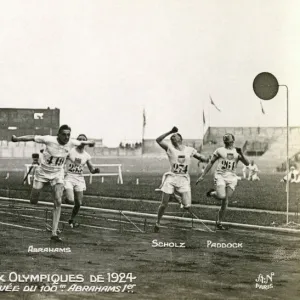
pixel 176 139
pixel 252 162
pixel 81 138
pixel 229 142
pixel 63 136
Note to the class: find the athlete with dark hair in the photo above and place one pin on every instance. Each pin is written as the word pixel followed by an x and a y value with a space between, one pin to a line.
pixel 177 181
pixel 51 169
pixel 74 180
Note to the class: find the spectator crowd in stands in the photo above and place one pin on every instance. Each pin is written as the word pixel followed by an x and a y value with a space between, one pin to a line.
pixel 131 146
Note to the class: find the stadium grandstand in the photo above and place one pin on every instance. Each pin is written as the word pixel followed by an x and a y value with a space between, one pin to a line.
pixel 24 121
pixel 267 145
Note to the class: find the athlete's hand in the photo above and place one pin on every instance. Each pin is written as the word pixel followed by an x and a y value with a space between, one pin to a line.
pixel 199 179
pixel 97 171
pixel 92 144
pixel 174 129
pixel 14 138
pixel 239 151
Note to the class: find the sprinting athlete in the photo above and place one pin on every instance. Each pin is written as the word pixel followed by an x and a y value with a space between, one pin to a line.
pixel 177 181
pixel 74 180
pixel 51 169
pixel 225 175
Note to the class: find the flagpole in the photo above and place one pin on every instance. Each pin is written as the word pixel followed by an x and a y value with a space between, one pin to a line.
pixel 202 124
pixel 212 103
pixel 209 112
pixel 143 131
pixel 287 154
pixel 143 137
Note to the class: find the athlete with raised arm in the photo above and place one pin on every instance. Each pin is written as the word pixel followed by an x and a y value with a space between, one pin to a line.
pixel 74 180
pixel 225 178
pixel 51 169
pixel 177 180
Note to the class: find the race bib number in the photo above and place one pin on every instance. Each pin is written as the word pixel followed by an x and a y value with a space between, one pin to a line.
pixel 55 161
pixel 180 168
pixel 76 169
pixel 227 165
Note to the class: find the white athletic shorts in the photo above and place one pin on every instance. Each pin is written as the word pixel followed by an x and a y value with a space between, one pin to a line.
pixel 53 178
pixel 175 183
pixel 75 182
pixel 226 180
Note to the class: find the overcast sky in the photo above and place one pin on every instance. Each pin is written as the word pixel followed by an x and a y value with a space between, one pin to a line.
pixel 102 61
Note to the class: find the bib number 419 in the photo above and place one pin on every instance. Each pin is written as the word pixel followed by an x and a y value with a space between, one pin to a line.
pixel 57 161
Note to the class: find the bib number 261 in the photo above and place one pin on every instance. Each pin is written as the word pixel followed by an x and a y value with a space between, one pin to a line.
pixel 228 165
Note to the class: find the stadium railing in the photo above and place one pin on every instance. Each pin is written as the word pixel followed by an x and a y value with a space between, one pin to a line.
pixel 117 173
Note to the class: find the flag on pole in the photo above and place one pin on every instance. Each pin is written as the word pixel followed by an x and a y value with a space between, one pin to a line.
pixel 203 118
pixel 212 102
pixel 262 108
pixel 144 123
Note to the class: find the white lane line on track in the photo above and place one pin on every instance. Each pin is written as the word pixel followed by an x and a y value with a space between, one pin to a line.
pixel 106 228
pixel 20 226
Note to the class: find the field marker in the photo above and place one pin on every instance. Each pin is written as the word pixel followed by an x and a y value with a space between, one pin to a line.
pixel 131 222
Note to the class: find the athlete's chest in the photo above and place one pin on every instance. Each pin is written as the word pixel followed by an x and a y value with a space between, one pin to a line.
pixel 180 156
pixel 77 158
pixel 56 149
pixel 229 155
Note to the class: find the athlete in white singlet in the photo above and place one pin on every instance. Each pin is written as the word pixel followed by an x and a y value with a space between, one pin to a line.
pixel 253 172
pixel 51 169
pixel 177 180
pixel 74 180
pixel 225 174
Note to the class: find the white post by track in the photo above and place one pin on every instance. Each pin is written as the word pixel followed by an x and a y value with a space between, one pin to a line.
pixel 117 173
pixel 287 154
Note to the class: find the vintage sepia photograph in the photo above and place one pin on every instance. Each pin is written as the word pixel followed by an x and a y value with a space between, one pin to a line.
pixel 149 149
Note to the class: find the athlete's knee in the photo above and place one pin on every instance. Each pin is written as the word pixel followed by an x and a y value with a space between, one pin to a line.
pixel 77 205
pixel 58 196
pixel 58 191
pixel 68 198
pixel 224 204
pixel 165 200
pixel 163 205
pixel 221 195
pixel 57 199
pixel 57 202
